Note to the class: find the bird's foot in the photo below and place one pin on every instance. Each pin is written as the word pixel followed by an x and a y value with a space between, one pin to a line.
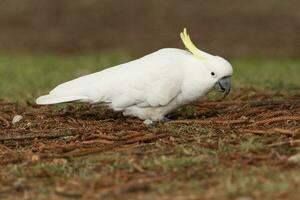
pixel 150 123
pixel 171 116
pixel 165 119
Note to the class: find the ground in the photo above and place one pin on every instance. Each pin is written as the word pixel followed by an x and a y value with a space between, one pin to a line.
pixel 243 147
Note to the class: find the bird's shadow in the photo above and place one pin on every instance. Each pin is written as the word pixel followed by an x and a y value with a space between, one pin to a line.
pixel 102 112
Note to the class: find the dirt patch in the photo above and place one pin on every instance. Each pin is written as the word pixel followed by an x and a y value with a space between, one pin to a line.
pixel 47 133
pixel 80 130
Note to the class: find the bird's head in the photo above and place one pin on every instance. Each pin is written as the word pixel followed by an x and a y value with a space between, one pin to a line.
pixel 218 69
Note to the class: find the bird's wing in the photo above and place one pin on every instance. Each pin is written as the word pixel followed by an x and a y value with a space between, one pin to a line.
pixel 153 80
pixel 155 88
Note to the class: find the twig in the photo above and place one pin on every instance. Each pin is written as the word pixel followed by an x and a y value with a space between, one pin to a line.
pixel 127 136
pixel 6 123
pixel 98 141
pixel 286 131
pixel 290 143
pixel 259 132
pixel 276 119
pixel 17 159
pixel 132 135
pixel 107 137
pixel 247 112
pixel 145 138
pixel 271 131
pixel 207 122
pixel 5 148
pixel 250 103
pixel 37 135
pixel 87 152
pixel 273 114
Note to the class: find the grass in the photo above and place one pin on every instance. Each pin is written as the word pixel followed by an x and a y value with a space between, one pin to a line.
pixel 24 77
pixel 195 161
pixel 274 75
pixel 190 176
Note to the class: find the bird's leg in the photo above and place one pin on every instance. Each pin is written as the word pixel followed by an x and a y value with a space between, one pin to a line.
pixel 149 122
pixel 165 119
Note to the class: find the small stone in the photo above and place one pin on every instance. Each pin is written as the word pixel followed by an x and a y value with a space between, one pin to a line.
pixel 294 159
pixel 17 119
pixel 35 158
pixel 59 161
pixel 244 117
pixel 148 122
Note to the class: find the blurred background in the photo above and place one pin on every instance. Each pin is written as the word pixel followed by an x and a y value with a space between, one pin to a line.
pixel 231 28
pixel 47 42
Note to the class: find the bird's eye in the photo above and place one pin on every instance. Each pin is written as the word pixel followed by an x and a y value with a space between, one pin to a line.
pixel 212 73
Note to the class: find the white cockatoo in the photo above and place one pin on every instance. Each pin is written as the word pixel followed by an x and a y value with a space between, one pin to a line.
pixel 152 86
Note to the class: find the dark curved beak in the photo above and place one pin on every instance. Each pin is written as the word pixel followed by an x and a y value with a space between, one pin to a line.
pixel 224 85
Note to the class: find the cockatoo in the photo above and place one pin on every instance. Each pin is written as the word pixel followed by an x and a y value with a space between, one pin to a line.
pixel 150 87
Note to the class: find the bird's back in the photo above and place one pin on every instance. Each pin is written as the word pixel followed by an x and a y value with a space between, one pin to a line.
pixel 132 78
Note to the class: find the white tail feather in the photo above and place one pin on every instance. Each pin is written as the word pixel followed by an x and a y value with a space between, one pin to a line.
pixel 54 99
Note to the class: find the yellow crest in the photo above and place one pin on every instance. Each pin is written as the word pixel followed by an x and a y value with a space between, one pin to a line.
pixel 190 45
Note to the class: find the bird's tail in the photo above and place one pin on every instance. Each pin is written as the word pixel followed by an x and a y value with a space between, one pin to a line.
pixel 54 99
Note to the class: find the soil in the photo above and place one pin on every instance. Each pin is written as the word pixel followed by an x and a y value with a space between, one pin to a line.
pixel 52 132
pixel 80 130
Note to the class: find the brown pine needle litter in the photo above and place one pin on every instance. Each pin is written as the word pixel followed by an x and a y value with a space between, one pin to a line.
pixel 209 122
pixel 4 122
pixel 285 119
pixel 90 151
pixel 82 129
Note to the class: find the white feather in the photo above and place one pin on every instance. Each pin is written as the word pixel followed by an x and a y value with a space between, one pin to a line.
pixel 149 87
